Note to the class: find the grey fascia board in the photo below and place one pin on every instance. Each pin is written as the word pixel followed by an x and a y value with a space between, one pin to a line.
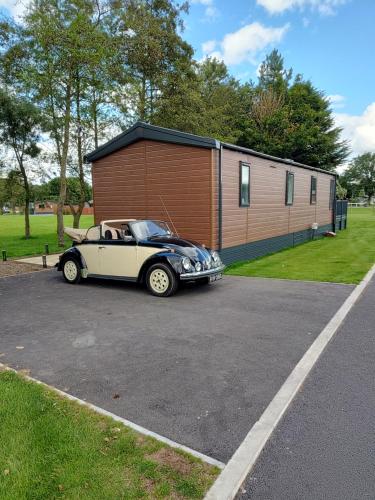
pixel 286 161
pixel 145 131
pixel 141 130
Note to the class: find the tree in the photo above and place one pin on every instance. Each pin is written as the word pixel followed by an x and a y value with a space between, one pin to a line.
pixel 13 190
pixel 291 119
pixel 206 102
pixel 152 53
pixel 57 49
pixel 20 129
pixel 341 191
pixel 360 175
pixel 272 74
pixel 51 190
pixel 314 139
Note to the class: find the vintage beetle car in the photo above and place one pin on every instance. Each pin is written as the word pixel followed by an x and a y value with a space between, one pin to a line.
pixel 138 250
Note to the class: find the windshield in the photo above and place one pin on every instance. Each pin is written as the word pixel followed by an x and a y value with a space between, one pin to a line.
pixel 144 229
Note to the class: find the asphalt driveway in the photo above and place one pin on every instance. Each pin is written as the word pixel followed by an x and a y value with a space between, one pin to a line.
pixel 199 367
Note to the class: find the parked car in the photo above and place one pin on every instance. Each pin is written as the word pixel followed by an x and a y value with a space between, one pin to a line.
pixel 144 251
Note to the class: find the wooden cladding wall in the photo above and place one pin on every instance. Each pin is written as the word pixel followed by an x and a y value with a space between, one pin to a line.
pixel 268 216
pixel 128 184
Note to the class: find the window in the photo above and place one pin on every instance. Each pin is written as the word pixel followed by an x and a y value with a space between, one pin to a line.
pixel 289 192
pixel 313 191
pixel 244 185
pixel 332 193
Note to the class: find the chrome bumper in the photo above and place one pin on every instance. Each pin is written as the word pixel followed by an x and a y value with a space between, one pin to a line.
pixel 202 274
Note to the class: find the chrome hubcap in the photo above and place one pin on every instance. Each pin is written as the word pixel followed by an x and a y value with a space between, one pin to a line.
pixel 159 280
pixel 70 270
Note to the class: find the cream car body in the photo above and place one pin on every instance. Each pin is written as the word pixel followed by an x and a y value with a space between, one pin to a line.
pixel 138 250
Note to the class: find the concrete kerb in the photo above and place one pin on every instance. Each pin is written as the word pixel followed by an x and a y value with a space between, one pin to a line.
pixel 235 472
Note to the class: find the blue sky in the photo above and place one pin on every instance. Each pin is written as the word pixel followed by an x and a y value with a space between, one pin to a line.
pixel 335 49
pixel 331 42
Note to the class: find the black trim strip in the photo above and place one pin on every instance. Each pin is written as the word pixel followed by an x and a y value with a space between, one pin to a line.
pixel 109 277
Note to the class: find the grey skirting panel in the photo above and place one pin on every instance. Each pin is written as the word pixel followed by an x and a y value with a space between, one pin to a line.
pixel 249 251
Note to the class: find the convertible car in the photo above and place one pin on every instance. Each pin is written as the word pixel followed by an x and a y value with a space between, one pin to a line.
pixel 145 251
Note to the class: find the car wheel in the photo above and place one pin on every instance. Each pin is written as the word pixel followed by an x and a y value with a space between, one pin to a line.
pixel 71 271
pixel 161 280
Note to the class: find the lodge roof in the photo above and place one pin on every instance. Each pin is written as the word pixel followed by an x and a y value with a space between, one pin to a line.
pixel 141 130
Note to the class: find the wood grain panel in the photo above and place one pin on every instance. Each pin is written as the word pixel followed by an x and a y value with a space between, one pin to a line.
pixel 268 216
pixel 129 183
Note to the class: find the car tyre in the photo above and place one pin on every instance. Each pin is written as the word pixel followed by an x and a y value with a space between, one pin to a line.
pixel 71 271
pixel 161 281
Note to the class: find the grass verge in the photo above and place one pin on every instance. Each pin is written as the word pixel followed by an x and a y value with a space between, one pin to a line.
pixel 51 447
pixel 344 259
pixel 43 230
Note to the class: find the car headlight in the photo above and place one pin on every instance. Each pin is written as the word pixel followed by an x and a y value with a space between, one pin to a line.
pixel 216 258
pixel 186 264
pixel 198 267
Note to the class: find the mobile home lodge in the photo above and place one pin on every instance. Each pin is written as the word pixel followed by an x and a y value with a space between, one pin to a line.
pixel 243 203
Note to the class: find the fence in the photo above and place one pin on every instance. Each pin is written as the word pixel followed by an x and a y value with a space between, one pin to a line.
pixel 341 215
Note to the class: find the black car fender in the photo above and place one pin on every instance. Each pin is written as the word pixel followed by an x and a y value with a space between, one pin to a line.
pixel 174 259
pixel 71 252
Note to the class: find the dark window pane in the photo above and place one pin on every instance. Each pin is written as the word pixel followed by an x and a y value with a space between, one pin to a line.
pixel 245 185
pixel 313 190
pixel 289 188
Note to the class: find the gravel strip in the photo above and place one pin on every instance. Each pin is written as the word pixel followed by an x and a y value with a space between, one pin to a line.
pixel 11 268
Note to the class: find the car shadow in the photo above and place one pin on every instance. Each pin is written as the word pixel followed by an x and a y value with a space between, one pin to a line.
pixel 185 288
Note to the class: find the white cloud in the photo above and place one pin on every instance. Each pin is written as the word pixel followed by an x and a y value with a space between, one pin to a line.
pixel 359 130
pixel 324 7
pixel 211 12
pixel 15 7
pixel 305 22
pixel 244 44
pixel 208 46
pixel 336 100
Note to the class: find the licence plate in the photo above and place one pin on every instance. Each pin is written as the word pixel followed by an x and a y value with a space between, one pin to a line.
pixel 215 277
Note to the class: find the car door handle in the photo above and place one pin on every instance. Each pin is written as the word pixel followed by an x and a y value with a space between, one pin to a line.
pixel 100 248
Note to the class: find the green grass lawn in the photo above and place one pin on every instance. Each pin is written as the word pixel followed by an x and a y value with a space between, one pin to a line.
pixel 344 259
pixel 51 447
pixel 43 230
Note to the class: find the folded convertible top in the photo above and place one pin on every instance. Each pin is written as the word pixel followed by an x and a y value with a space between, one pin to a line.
pixel 77 235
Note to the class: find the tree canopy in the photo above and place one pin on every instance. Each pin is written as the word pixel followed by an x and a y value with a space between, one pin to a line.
pixel 20 129
pixel 94 68
pixel 359 177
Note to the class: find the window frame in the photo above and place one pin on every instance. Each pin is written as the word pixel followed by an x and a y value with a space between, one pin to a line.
pixel 313 198
pixel 246 165
pixel 288 174
pixel 332 193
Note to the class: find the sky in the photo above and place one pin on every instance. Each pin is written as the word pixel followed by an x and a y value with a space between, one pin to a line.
pixel 330 42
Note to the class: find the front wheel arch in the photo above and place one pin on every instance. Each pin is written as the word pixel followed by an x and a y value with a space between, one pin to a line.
pixel 167 259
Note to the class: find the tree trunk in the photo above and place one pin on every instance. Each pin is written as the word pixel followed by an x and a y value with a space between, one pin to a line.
pixel 64 158
pixel 27 212
pixel 27 198
pixel 95 119
pixel 81 174
pixel 77 214
pixel 142 100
